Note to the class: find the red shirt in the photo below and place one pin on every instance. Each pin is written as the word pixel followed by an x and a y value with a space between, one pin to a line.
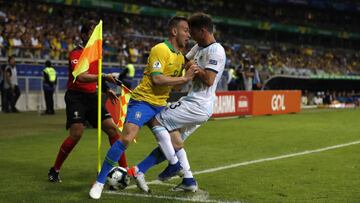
pixel 74 56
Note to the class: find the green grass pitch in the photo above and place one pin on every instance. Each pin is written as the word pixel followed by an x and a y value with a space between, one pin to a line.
pixel 29 144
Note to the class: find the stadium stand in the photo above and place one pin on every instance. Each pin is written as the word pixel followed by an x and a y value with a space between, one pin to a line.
pixel 294 38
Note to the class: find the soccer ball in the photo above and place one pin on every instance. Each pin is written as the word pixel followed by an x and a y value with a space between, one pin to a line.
pixel 118 179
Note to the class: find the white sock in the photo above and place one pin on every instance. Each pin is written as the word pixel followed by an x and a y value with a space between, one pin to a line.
pixel 164 140
pixel 181 155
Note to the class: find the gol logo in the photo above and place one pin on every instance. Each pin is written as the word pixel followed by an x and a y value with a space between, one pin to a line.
pixel 278 102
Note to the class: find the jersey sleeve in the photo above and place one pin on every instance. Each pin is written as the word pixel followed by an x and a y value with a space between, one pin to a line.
pixel 216 60
pixel 157 60
pixel 191 54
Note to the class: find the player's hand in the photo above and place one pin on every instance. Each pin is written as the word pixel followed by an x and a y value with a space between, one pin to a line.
pixel 198 70
pixel 109 78
pixel 190 73
pixel 112 96
pixel 189 64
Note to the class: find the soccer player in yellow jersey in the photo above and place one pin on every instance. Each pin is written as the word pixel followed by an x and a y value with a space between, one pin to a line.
pixel 163 71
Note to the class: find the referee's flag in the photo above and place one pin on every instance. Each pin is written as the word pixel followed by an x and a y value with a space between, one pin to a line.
pixel 92 51
pixel 124 101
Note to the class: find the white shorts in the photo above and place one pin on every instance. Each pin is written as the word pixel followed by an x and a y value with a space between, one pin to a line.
pixel 184 116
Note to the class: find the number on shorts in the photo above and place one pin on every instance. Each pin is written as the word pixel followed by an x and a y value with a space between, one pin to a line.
pixel 173 106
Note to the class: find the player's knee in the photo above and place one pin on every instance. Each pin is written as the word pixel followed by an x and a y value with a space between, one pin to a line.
pixel 111 131
pixel 128 138
pixel 153 122
pixel 178 145
pixel 76 131
pixel 109 127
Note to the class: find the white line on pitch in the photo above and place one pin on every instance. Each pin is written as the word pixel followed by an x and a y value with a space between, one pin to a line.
pixel 267 159
pixel 164 197
pixel 157 182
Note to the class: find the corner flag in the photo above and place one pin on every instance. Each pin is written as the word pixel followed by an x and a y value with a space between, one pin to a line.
pixel 92 51
pixel 124 100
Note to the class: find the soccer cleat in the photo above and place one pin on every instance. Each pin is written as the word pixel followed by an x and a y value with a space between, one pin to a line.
pixel 96 190
pixel 53 175
pixel 187 185
pixel 170 171
pixel 139 179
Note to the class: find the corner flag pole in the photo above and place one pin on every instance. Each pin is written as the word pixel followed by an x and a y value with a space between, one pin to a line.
pixel 99 117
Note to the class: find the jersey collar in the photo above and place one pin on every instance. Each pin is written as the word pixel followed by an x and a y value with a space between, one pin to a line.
pixel 170 46
pixel 207 45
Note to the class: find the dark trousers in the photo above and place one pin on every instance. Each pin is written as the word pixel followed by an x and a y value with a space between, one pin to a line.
pixel 49 101
pixel 11 96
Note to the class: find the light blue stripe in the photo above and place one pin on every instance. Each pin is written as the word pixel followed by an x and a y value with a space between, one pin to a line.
pixel 158 129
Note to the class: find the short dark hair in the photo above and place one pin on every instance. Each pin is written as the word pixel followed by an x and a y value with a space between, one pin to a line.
pixel 47 63
pixel 87 25
pixel 201 20
pixel 174 21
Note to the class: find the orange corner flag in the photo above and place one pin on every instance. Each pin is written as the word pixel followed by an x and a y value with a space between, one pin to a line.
pixel 92 51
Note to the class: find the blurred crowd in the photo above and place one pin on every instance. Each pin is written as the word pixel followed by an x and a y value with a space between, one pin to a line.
pixel 335 99
pixel 294 60
pixel 48 31
pixel 321 14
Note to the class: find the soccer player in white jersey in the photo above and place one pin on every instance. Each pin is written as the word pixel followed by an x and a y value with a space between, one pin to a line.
pixel 182 118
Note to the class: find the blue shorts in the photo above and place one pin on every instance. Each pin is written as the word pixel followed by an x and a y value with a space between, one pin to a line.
pixel 140 112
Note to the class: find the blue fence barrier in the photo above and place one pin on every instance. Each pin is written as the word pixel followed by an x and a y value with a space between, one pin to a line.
pixel 62 72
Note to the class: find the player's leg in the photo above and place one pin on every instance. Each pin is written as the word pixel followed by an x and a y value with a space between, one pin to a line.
pixel 138 114
pixel 112 157
pixel 75 133
pixel 188 183
pixel 155 157
pixel 162 135
pixel 75 113
pixel 138 171
pixel 109 127
pixel 180 114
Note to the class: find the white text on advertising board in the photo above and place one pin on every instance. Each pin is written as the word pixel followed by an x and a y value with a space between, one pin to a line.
pixel 243 103
pixel 278 102
pixel 224 104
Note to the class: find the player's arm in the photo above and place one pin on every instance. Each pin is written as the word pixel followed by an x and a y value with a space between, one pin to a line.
pixel 160 79
pixel 190 56
pixel 157 62
pixel 87 77
pixel 206 75
pixel 211 69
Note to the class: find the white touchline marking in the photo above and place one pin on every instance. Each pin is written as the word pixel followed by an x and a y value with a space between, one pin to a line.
pixel 157 182
pixel 265 159
pixel 277 157
pixel 187 199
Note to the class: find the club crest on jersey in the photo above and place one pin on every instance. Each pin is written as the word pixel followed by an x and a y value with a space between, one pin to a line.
pixel 213 62
pixel 75 61
pixel 76 115
pixel 138 115
pixel 156 65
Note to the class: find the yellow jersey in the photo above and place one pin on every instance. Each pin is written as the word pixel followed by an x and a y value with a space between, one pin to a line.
pixel 163 59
